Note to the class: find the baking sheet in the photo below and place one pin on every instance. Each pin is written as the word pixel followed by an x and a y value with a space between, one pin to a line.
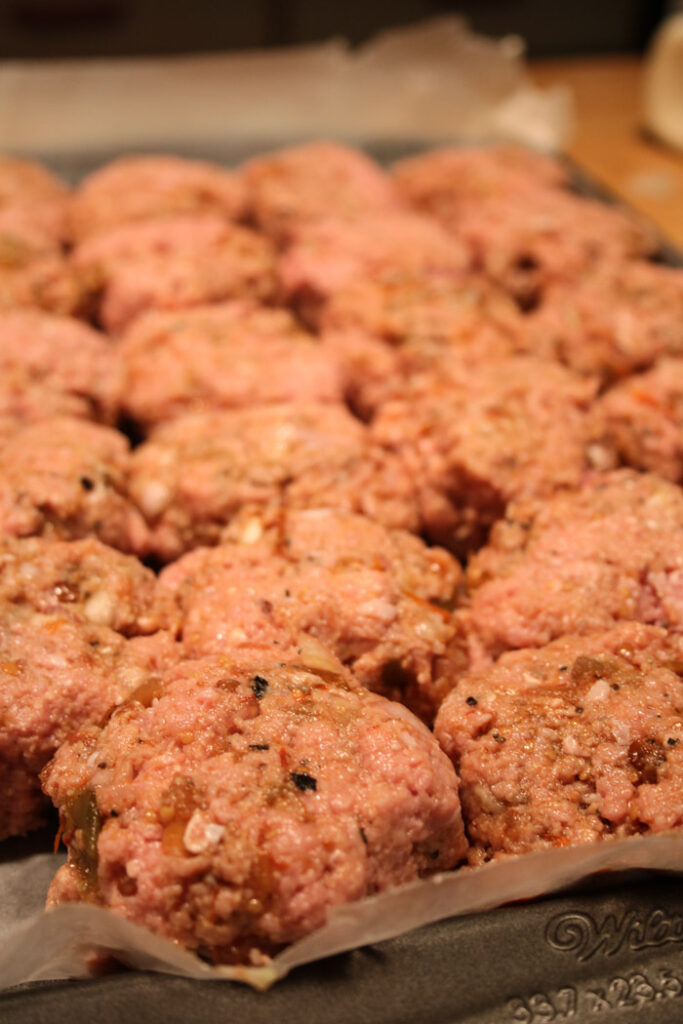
pixel 615 952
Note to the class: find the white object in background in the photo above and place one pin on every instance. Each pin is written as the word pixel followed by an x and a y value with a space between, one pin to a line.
pixel 663 83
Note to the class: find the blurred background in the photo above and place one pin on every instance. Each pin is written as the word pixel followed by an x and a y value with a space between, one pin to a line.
pixel 81 28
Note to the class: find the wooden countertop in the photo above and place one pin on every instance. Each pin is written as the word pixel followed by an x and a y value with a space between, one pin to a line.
pixel 608 141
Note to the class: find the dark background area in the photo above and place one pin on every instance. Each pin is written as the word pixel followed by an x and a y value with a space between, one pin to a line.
pixel 79 28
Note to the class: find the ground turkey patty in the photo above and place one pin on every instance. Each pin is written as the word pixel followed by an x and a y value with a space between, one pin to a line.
pixel 57 675
pixel 379 599
pixel 66 478
pixel 574 742
pixel 329 254
pixel 443 180
pixel 389 327
pixel 65 610
pixel 290 187
pixel 33 202
pixel 172 263
pixel 616 320
pixel 83 579
pixel 230 355
pixel 645 419
pixel 246 800
pixel 135 188
pixel 475 439
pixel 520 229
pixel 196 473
pixel 578 563
pixel 69 364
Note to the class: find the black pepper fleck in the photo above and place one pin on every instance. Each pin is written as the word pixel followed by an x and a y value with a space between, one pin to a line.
pixel 303 781
pixel 563 668
pixel 259 685
pixel 363 835
pixel 672 742
pixel 615 686
pixel 498 738
pixel 259 746
pixel 472 701
pixel 87 484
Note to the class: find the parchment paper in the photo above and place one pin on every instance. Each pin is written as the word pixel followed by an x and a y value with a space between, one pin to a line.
pixel 36 945
pixel 436 80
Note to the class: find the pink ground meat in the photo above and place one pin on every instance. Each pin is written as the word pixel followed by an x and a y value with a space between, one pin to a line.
pixel 57 675
pixel 442 181
pixel 84 580
pixel 379 599
pixel 58 356
pixel 476 439
pixel 645 419
pixel 616 320
pixel 579 563
pixel 305 183
pixel 570 743
pixel 137 188
pixel 387 328
pixel 231 808
pixel 33 203
pixel 215 356
pixel 172 263
pixel 66 478
pixel 329 254
pixel 521 229
pixel 196 473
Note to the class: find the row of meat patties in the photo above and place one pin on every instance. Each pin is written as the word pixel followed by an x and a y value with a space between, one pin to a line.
pixel 341 528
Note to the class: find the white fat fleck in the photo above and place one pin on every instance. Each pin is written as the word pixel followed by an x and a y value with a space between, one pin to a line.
pixel 598 691
pixel 237 635
pixel 378 609
pixel 570 745
pixel 251 532
pixel 199 835
pixel 621 731
pixel 154 498
pixel 100 608
pixel 599 456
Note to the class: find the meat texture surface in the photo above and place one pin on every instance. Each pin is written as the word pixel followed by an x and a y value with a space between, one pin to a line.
pixel 476 438
pixel 305 183
pixel 380 599
pixel 231 809
pixel 570 743
pixel 138 188
pixel 229 355
pixel 610 551
pixel 172 263
pixel 66 478
pixel 196 473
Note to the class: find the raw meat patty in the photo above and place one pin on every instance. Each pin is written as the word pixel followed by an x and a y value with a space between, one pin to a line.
pixel 571 743
pixel 521 229
pixel 327 255
pixel 388 328
pixel 137 188
pixel 57 675
pixel 474 440
pixel 645 419
pixel 84 580
pixel 616 320
pixel 173 263
pixel 444 180
pixel 579 563
pixel 196 473
pixel 247 799
pixel 66 479
pixel 379 599
pixel 33 203
pixel 231 355
pixel 305 183
pixel 69 364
